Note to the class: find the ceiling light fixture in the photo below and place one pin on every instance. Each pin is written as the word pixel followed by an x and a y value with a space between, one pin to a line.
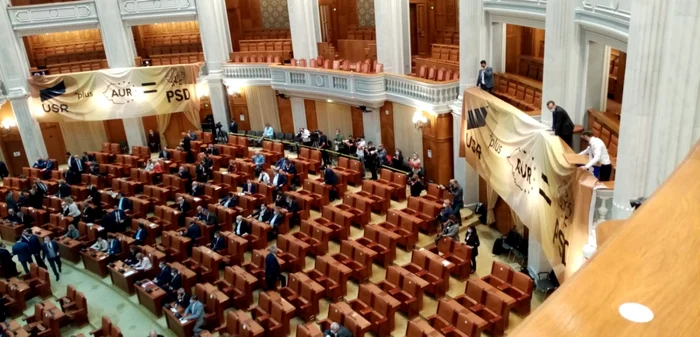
pixel 635 312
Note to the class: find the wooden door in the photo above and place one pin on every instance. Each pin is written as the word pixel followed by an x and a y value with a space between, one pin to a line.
pixel 414 30
pixel 422 27
pixel 512 48
pixel 284 106
pixel 504 217
pixel 55 145
pixel 386 118
pixel 15 156
pixel 324 12
pixel 178 124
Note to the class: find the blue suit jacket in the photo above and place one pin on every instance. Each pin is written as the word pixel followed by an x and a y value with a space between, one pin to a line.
pixel 163 276
pixel 21 249
pixel 250 190
pixel 193 232
pixel 141 234
pixel 45 249
pixel 281 179
pixel 330 178
pixel 114 248
pixel 218 244
pixel 124 204
pixel 34 244
pixel 272 267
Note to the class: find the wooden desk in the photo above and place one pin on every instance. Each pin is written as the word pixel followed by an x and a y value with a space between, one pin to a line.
pixel 96 264
pixel 10 232
pixel 361 323
pixel 22 291
pixel 154 300
pixel 69 249
pixel 124 281
pixel 189 277
pixel 56 312
pixel 41 233
pixel 176 325
pixel 15 328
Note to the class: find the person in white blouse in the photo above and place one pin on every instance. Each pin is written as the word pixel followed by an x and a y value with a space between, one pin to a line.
pixel 150 165
pixel 70 208
pixel 598 154
pixel 100 245
pixel 264 177
pixel 144 262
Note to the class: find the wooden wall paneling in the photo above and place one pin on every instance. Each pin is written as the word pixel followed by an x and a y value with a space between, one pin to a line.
pixel 440 14
pixel 53 138
pixel 30 51
pixel 433 20
pixel 513 37
pixel 149 123
pixel 451 12
pixel 311 119
pixel 204 108
pixel 622 64
pixel 437 148
pixel 138 40
pixel 178 125
pixel 538 42
pixel 422 27
pixel 11 145
pixel 358 128
pixel 115 130
pixel 526 41
pixel 238 106
pixel 386 118
pixel 255 14
pixel 284 106
pixel 504 216
pixel 413 28
pixel 235 26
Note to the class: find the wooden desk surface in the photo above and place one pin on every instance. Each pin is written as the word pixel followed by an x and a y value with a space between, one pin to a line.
pixel 41 233
pixel 184 271
pixel 360 321
pixel 286 306
pixel 19 284
pixel 155 290
pixel 98 255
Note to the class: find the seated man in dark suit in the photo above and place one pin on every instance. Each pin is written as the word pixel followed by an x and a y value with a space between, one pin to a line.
pixel 174 284
pixel 193 232
pixel 163 277
pixel 87 157
pixel 290 168
pixel 19 218
pixel 218 243
pixel 202 172
pixel 211 150
pixel 204 215
pixel 275 221
pixel 293 207
pixel 164 154
pixel 229 201
pixel 63 189
pixel 261 214
pixel 278 181
pixel 330 178
pixel 123 203
pixel 40 163
pixel 114 248
pixel 140 235
pixel 197 189
pixel 337 330
pixel 182 299
pixel 249 187
pixel 240 227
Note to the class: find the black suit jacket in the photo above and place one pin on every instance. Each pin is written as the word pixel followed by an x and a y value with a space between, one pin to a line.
pixel 330 178
pixel 293 206
pixel 45 249
pixel 125 204
pixel 63 191
pixel 250 189
pixel 562 124
pixel 186 145
pixel 218 244
pixel 276 221
pixel 184 208
pixel 473 241
pixel 193 232
pixel 34 244
pixel 244 228
pixel 164 155
pixel 176 281
pixel 163 276
pixel 233 201
pixel 197 191
pixel 281 179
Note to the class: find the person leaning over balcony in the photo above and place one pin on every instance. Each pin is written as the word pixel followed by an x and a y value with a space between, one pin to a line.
pixel 561 123
pixel 597 153
pixel 485 78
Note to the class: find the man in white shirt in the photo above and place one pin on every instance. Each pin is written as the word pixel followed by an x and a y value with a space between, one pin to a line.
pixel 360 152
pixel 597 154
pixel 100 245
pixel 240 227
pixel 144 262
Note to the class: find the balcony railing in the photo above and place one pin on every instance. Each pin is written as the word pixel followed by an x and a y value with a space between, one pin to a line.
pixel 600 211
pixel 346 87
pixel 157 11
pixel 53 17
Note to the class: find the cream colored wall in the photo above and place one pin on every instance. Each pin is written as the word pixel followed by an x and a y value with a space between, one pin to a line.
pixel 331 116
pixel 406 136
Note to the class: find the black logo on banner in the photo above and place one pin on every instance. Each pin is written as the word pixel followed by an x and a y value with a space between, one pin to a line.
pixel 476 118
pixel 51 93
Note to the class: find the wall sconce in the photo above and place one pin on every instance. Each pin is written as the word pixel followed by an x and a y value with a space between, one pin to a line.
pixel 233 90
pixel 420 121
pixel 9 123
pixel 202 90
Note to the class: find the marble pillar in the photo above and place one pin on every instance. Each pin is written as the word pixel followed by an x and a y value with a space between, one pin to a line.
pixel 214 34
pixel 393 35
pixel 561 76
pixel 29 129
pixel 596 68
pixel 661 105
pixel 298 112
pixel 135 133
pixel 305 26
pixel 498 47
pixel 117 37
pixel 372 126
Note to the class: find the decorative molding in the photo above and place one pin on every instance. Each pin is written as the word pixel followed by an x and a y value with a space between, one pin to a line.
pixel 365 13
pixel 141 12
pixel 54 17
pixel 531 13
pixel 346 87
pixel 607 21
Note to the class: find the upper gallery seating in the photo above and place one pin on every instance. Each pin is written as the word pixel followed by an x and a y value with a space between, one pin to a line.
pixel 521 92
pixel 362 34
pixel 365 67
pixel 169 44
pixel 279 50
pixel 172 59
pixel 531 67
pixel 173 44
pixel 447 37
pixel 67 52
pixel 262 34
pixel 442 65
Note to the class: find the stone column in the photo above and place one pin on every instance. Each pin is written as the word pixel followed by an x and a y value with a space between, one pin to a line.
pixel 498 47
pixel 305 26
pixel 120 50
pixel 298 112
pixel 371 123
pixel 29 129
pixel 214 37
pixel 561 60
pixel 393 36
pixel 15 71
pixel 661 105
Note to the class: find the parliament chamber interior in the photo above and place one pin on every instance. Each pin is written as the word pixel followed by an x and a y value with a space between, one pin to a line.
pixel 348 168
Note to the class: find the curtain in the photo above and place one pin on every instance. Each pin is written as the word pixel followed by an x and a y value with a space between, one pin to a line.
pixel 193 117
pixel 331 116
pixel 492 198
pixel 262 108
pixel 83 136
pixel 406 136
pixel 163 122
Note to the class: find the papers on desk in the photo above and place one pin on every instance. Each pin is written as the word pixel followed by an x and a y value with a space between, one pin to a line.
pixel 99 229
pixel 241 194
pixel 129 273
pixel 197 199
pixel 173 310
pixel 147 284
pixel 446 263
pixel 183 320
pixel 153 225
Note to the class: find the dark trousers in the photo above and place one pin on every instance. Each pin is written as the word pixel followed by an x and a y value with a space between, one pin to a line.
pixel 55 262
pixel 39 261
pixel 489 90
pixel 25 265
pixel 568 139
pixel 473 262
pixel 605 172
pixel 326 158
pixel 271 282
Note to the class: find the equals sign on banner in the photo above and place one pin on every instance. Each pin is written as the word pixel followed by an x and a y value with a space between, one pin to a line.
pixel 542 193
pixel 149 84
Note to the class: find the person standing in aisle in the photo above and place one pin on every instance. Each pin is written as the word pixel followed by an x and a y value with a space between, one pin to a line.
pixel 485 78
